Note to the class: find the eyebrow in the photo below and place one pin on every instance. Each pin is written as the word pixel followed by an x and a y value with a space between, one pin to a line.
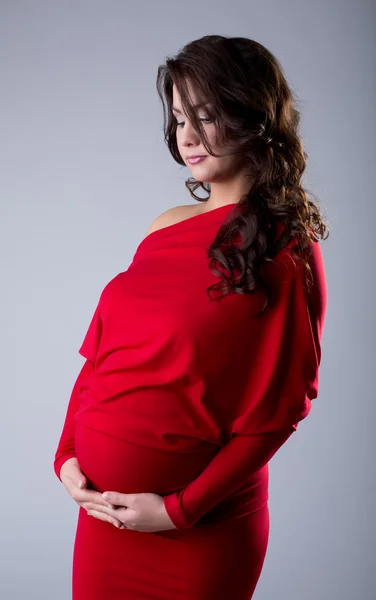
pixel 177 110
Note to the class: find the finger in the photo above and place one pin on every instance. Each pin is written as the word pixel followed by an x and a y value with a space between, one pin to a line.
pixel 103 517
pixel 111 512
pixel 71 471
pixel 117 499
pixel 87 495
pixel 78 480
pixel 81 482
pixel 76 476
pixel 70 484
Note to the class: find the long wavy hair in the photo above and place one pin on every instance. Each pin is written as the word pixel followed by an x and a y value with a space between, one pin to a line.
pixel 255 114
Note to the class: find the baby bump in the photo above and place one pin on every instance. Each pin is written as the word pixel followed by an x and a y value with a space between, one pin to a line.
pixel 110 463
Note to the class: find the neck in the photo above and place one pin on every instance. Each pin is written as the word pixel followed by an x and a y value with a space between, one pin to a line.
pixel 228 192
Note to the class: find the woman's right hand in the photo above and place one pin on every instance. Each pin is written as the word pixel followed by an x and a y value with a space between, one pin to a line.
pixel 75 483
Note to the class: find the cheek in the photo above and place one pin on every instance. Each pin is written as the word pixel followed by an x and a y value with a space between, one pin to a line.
pixel 212 139
pixel 221 169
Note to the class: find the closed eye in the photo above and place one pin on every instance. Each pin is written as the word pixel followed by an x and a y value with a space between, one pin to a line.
pixel 204 120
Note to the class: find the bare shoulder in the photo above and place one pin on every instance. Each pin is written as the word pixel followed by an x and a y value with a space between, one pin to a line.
pixel 172 216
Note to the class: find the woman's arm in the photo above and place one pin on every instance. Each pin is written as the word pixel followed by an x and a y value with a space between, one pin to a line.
pixel 88 349
pixel 229 469
pixel 275 406
pixel 66 448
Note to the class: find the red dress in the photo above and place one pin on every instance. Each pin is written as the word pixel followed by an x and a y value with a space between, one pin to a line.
pixel 188 398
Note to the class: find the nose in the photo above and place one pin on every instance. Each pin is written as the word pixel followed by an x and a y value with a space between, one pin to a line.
pixel 188 135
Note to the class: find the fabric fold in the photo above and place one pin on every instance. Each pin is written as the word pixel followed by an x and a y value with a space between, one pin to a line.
pixel 181 376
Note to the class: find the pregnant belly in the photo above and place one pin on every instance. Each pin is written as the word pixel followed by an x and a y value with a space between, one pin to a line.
pixel 110 463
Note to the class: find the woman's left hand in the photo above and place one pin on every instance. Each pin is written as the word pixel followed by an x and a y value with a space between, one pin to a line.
pixel 139 512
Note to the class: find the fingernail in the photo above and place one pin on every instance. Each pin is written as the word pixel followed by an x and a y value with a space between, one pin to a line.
pixel 106 496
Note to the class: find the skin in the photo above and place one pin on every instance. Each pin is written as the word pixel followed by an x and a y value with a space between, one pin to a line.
pixel 225 174
pixel 140 512
pixel 145 512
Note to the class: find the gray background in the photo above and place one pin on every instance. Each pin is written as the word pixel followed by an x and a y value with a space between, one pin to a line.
pixel 84 171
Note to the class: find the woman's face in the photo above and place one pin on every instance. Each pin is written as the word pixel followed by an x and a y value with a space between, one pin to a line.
pixel 212 168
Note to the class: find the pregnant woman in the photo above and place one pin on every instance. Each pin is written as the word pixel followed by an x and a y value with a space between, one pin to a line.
pixel 203 355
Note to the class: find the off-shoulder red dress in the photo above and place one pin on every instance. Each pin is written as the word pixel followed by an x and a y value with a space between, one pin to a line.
pixel 189 398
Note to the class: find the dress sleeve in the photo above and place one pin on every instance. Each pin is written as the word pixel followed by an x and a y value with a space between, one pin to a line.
pixel 285 352
pixel 66 447
pixel 284 373
pixel 89 350
pixel 90 344
pixel 225 474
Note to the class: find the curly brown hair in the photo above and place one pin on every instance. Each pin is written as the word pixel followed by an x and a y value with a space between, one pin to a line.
pixel 256 116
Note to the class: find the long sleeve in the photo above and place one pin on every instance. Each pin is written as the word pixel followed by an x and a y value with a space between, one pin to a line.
pixel 229 469
pixel 283 386
pixel 88 350
pixel 65 448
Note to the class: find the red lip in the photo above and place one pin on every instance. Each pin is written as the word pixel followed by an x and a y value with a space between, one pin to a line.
pixel 196 156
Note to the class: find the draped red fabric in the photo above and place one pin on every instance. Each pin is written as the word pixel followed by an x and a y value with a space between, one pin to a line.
pixel 190 398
